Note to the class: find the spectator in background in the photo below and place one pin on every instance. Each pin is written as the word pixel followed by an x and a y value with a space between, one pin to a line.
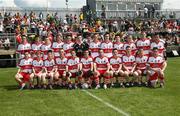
pixel 152 11
pixel 138 12
pixel 75 18
pixel 6 44
pixel 18 37
pixel 41 15
pixel 1 17
pixel 1 43
pixel 1 27
pixel 81 17
pixel 177 40
pixel 145 12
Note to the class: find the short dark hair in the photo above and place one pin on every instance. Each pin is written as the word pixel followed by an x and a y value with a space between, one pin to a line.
pixel 127 47
pixel 114 49
pixel 100 50
pixel 155 48
pixel 49 51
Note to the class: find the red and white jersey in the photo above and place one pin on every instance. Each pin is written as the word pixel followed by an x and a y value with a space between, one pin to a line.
pixel 61 63
pixel 56 47
pixel 73 64
pixel 101 63
pixel 115 62
pixel 159 45
pixel 156 62
pixel 132 46
pixel 107 48
pixel 45 49
pixel 67 48
pixel 141 62
pixel 22 48
pixel 26 65
pixel 86 63
pixel 94 48
pixel 120 47
pixel 36 47
pixel 37 65
pixel 49 64
pixel 144 44
pixel 128 61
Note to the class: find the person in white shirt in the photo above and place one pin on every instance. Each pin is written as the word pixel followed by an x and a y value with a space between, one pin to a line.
pixel 145 12
pixel 1 27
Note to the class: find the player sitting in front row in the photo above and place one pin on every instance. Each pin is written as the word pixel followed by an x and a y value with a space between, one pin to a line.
pixel 128 66
pixel 49 70
pixel 37 67
pixel 25 71
pixel 87 68
pixel 116 68
pixel 140 70
pixel 61 62
pixel 73 70
pixel 101 69
pixel 155 69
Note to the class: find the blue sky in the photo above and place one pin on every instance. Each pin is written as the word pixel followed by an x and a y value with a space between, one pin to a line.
pixel 170 4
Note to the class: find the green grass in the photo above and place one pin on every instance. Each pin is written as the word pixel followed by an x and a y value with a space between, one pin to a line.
pixel 136 101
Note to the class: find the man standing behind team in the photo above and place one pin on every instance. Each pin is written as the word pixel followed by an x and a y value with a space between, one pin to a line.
pixel 144 43
pixel 95 46
pixel 107 46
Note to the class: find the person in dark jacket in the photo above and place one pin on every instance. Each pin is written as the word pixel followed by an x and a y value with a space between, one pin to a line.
pixel 80 46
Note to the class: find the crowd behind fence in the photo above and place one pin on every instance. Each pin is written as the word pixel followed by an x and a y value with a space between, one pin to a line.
pixel 15 23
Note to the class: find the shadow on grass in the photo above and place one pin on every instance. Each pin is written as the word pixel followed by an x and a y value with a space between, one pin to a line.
pixel 9 87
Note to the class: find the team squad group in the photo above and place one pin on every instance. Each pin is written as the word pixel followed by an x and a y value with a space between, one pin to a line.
pixel 92 62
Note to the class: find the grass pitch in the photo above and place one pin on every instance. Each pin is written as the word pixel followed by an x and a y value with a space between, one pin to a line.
pixel 136 101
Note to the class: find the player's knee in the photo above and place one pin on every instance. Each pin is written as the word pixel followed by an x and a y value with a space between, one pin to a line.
pixel 126 74
pixel 43 75
pixel 31 76
pixel 17 76
pixel 121 72
pixel 56 75
pixel 96 73
pixel 139 72
pixel 135 74
pixel 111 73
pixel 148 72
pixel 106 74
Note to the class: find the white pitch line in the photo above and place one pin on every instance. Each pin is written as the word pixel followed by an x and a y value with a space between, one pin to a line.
pixel 106 103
